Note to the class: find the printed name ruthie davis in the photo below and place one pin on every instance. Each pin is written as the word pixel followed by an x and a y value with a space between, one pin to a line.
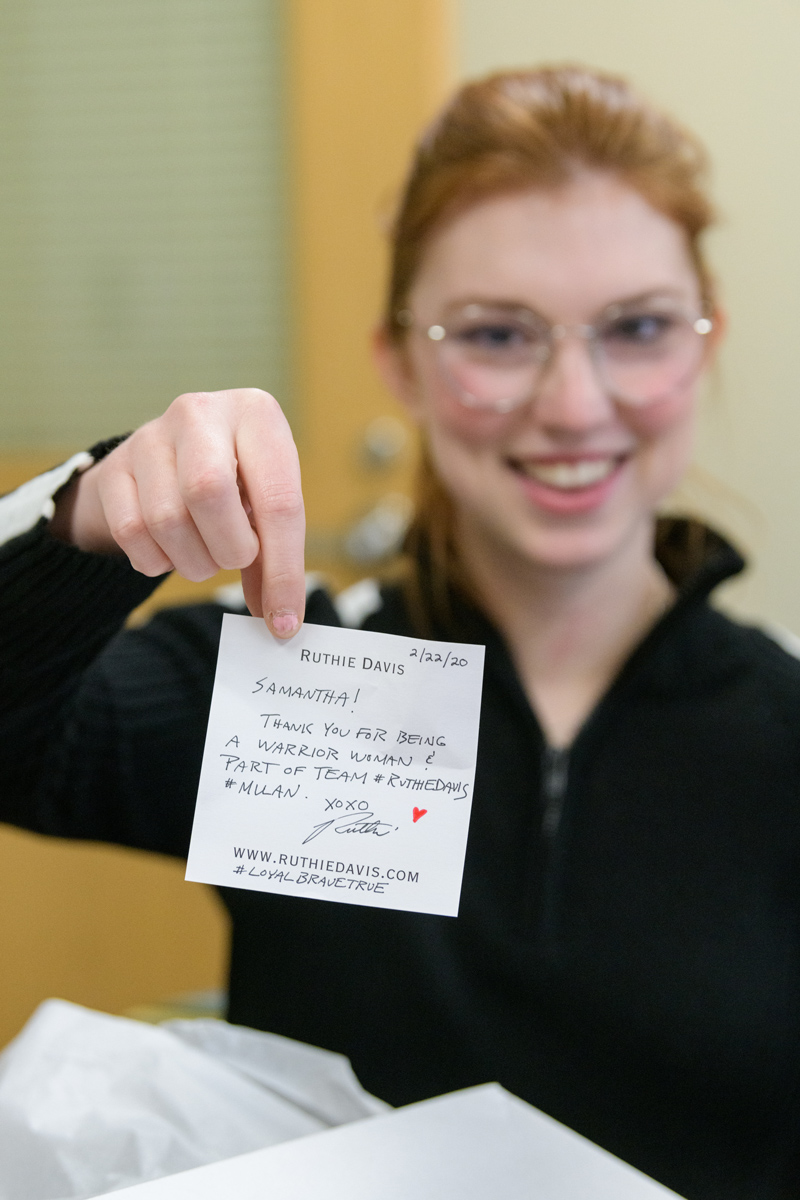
pixel 321 657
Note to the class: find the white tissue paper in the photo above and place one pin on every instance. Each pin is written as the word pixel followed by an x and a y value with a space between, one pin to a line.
pixel 90 1103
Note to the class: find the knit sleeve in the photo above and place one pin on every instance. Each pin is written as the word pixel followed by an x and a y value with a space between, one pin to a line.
pixel 59 609
pixel 101 728
pixel 22 509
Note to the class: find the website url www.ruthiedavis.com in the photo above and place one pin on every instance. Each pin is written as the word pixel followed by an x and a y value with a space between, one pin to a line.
pixel 306 871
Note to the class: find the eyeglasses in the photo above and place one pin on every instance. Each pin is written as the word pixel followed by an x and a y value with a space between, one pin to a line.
pixel 494 358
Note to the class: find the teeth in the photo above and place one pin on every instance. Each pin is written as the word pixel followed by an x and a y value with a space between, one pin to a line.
pixel 570 475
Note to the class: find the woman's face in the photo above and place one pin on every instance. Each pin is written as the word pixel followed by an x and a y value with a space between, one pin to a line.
pixel 567 479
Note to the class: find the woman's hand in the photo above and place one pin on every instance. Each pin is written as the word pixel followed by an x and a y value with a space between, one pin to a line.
pixel 214 482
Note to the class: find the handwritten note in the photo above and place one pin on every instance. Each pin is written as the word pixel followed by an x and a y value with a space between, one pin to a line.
pixel 339 766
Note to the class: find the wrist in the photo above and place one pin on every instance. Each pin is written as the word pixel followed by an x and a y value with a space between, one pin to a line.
pixel 78 517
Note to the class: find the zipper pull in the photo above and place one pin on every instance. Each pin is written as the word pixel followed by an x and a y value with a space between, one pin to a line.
pixel 555 770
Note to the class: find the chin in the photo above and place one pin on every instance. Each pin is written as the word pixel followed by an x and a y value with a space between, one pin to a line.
pixel 576 549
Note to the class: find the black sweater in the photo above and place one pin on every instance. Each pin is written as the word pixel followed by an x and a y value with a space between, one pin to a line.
pixel 626 953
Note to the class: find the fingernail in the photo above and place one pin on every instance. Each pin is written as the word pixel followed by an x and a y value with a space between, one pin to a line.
pixel 283 622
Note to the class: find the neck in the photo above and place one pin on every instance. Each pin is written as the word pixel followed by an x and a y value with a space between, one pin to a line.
pixel 569 631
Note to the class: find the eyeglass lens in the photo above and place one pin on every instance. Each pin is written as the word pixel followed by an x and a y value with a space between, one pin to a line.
pixel 497 360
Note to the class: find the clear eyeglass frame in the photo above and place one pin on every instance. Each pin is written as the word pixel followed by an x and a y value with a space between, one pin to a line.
pixel 631 374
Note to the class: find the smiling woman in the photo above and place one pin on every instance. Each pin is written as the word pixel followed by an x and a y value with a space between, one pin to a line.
pixel 625 955
pixel 571 474
pixel 549 316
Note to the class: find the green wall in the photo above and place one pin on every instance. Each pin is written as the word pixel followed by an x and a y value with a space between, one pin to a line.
pixel 142 222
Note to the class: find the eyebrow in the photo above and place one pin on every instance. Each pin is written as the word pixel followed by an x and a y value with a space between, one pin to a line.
pixel 510 306
pixel 671 293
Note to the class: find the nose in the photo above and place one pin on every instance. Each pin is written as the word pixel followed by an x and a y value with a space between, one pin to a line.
pixel 571 396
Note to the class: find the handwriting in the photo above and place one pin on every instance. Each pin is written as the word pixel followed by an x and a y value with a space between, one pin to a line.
pixel 455 788
pixel 347 805
pixel 301 751
pixel 365 823
pixel 384 760
pixel 304 727
pixel 316 695
pixel 443 660
pixel 420 739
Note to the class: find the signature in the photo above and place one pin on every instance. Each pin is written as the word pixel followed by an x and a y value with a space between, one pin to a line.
pixel 365 823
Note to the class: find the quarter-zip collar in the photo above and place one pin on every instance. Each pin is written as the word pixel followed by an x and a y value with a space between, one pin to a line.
pixel 695 558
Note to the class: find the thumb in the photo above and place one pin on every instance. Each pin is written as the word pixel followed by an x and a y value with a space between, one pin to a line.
pixel 251 584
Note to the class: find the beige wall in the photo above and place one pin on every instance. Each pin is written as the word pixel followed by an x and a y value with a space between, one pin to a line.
pixel 729 68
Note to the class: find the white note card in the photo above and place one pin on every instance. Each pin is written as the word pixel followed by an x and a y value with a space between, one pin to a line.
pixel 339 766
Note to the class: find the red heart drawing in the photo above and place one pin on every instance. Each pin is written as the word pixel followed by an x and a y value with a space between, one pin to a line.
pixel 419 812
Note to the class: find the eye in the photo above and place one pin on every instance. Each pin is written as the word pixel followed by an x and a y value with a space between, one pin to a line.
pixel 499 338
pixel 641 329
pixel 493 336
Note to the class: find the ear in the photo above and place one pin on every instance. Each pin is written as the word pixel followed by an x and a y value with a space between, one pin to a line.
pixel 719 329
pixel 395 369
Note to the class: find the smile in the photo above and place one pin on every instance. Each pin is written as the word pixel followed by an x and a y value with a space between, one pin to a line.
pixel 569 476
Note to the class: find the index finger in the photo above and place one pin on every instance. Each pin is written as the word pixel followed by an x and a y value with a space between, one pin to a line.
pixel 269 470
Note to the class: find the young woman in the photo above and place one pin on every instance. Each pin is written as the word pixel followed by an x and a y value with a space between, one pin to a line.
pixel 626 954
